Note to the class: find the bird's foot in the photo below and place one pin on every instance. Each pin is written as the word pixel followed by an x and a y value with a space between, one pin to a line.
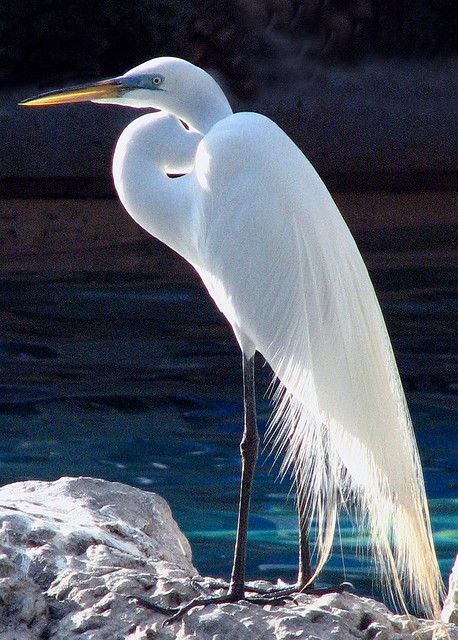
pixel 282 592
pixel 314 591
pixel 176 613
pixel 275 597
pixel 287 590
pixel 214 583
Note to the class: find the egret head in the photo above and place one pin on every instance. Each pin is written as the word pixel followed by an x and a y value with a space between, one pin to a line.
pixel 168 84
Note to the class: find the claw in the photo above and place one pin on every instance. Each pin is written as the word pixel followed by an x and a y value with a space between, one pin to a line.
pixel 273 599
pixel 166 611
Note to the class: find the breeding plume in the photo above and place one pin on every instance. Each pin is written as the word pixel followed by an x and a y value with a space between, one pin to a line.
pixel 253 217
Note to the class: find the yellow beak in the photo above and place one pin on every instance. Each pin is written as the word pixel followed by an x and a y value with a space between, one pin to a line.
pixel 84 93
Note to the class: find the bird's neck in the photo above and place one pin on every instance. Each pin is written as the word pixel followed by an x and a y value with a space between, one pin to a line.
pixel 205 115
pixel 149 149
pixel 205 109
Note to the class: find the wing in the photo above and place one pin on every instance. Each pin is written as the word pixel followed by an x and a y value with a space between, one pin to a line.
pixel 281 264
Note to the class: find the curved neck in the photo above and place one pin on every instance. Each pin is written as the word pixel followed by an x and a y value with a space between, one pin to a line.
pixel 204 110
pixel 151 147
pixel 196 99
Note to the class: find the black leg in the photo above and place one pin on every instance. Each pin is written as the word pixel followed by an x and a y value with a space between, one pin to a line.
pixel 304 572
pixel 249 451
pixel 249 447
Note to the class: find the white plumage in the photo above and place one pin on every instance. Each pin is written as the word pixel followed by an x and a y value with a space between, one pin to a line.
pixel 261 229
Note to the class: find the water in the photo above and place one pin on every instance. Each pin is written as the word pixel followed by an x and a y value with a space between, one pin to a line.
pixel 137 379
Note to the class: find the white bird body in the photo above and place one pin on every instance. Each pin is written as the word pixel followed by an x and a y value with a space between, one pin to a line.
pixel 258 224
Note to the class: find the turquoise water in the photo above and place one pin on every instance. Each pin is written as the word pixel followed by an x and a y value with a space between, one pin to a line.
pixel 138 380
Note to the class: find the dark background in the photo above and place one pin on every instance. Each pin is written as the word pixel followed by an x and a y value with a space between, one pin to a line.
pixel 366 88
pixel 49 40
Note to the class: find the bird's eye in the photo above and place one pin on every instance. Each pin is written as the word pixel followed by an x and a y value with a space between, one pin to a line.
pixel 157 80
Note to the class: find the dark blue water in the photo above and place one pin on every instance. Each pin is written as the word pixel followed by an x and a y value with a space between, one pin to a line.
pixel 138 380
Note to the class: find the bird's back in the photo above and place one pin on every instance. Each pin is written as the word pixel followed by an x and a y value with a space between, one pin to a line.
pixel 253 182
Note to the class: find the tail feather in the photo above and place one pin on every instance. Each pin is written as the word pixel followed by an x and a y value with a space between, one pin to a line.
pixel 342 421
pixel 400 535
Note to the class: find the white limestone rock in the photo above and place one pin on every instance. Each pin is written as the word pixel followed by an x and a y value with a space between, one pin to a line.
pixel 450 610
pixel 74 552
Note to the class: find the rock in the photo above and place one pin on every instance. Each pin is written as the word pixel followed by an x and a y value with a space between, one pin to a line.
pixel 74 554
pixel 450 610
pixel 71 550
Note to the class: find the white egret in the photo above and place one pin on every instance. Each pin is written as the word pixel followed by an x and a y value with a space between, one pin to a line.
pixel 259 226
